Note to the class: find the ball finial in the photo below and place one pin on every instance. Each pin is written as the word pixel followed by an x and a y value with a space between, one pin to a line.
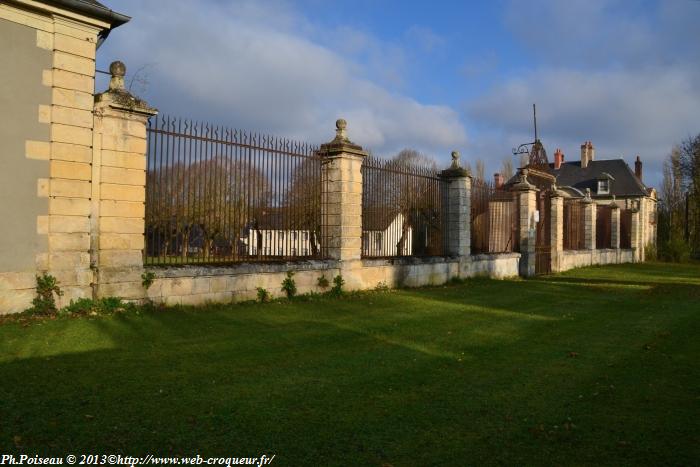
pixel 341 124
pixel 117 68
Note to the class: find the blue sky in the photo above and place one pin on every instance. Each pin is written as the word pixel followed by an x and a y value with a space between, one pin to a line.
pixel 434 76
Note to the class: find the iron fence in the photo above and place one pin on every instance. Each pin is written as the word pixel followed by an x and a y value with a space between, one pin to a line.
pixel 625 228
pixel 574 224
pixel 402 210
pixel 494 219
pixel 603 227
pixel 219 195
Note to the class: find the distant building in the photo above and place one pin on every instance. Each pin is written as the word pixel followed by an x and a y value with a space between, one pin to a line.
pixel 275 233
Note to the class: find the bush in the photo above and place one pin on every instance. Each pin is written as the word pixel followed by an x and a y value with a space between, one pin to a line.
pixel 675 250
pixel 263 295
pixel 288 285
pixel 147 279
pixel 45 303
pixel 87 306
pixel 650 252
pixel 338 283
pixel 323 281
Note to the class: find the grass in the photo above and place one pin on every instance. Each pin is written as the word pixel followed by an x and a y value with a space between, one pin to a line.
pixel 597 366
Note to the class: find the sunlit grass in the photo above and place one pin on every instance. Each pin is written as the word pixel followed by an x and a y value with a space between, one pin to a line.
pixel 594 366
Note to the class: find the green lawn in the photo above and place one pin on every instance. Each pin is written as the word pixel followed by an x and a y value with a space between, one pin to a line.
pixel 594 366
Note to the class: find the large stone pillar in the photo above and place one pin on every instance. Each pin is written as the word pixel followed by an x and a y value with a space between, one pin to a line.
pixel 615 226
pixel 636 237
pixel 341 206
pixel 527 201
pixel 557 228
pixel 119 189
pixel 458 203
pixel 589 211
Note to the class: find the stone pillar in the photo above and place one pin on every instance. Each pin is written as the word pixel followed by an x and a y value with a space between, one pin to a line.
pixel 341 206
pixel 590 212
pixel 635 242
pixel 527 201
pixel 458 208
pixel 118 189
pixel 615 225
pixel 557 228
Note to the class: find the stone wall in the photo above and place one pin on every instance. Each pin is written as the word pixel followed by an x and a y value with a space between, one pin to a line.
pixel 192 285
pixel 571 259
pixel 64 85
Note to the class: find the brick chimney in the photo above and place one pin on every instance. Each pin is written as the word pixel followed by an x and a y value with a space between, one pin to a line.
pixel 638 168
pixel 558 159
pixel 587 154
pixel 498 181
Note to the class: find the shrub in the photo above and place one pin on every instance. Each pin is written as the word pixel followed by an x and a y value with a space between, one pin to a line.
pixel 288 285
pixel 338 283
pixel 323 281
pixel 675 250
pixel 147 279
pixel 381 287
pixel 87 306
pixel 651 252
pixel 263 295
pixel 45 303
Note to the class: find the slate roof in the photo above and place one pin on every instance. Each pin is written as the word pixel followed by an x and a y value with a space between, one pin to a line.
pixel 624 182
pixel 92 8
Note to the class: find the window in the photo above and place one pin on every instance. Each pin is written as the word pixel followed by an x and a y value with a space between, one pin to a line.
pixel 294 251
pixel 603 187
pixel 294 236
pixel 280 235
pixel 280 251
pixel 306 236
pixel 306 252
pixel 268 234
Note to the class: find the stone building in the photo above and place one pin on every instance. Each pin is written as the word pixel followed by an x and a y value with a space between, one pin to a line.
pixel 608 181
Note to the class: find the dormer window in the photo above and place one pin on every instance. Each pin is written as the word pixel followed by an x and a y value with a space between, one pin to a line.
pixel 604 183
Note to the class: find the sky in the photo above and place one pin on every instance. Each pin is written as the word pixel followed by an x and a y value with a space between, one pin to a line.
pixel 433 76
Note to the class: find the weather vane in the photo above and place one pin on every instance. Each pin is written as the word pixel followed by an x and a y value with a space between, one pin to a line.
pixel 535 150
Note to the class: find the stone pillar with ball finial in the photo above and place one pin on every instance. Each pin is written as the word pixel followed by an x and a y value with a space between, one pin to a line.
pixel 341 191
pixel 458 206
pixel 118 189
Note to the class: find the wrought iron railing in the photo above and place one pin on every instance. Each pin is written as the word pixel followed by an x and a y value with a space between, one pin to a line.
pixel 403 210
pixel 494 219
pixel 603 227
pixel 217 195
pixel 625 228
pixel 574 224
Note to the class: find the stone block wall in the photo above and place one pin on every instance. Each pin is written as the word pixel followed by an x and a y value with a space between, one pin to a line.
pixel 194 285
pixel 70 40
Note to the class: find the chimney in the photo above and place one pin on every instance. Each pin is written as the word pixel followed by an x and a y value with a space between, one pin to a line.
pixel 638 168
pixel 558 159
pixel 587 154
pixel 498 181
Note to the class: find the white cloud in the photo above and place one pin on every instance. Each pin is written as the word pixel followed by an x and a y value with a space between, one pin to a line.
pixel 263 66
pixel 619 73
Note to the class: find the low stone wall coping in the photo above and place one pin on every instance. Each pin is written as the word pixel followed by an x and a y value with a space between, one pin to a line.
pixel 494 256
pixel 242 268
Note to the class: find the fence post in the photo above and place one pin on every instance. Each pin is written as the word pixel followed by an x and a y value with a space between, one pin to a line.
pixel 589 211
pixel 118 189
pixel 557 228
pixel 459 184
pixel 341 205
pixel 527 202
pixel 615 225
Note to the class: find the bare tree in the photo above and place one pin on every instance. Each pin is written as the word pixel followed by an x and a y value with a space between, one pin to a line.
pixel 480 170
pixel 507 168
